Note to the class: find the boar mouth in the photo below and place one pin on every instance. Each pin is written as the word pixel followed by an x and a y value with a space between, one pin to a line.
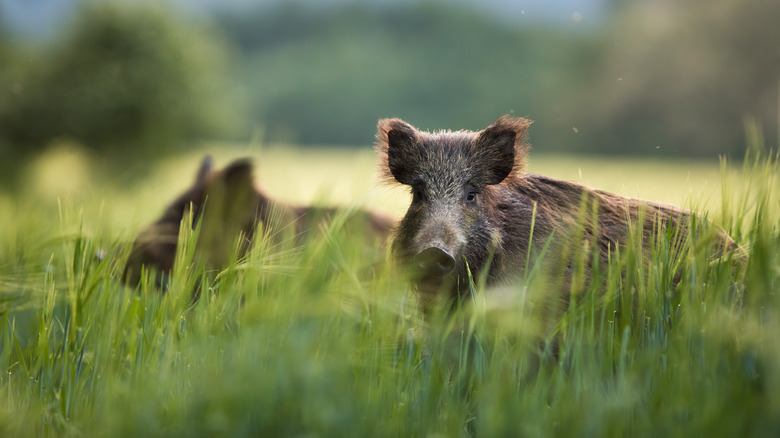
pixel 433 291
pixel 432 271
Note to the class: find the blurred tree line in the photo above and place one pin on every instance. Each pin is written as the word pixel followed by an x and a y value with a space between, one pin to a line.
pixel 660 77
pixel 685 77
pixel 326 76
pixel 129 80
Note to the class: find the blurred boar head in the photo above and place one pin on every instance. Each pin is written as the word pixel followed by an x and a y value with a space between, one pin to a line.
pixel 228 206
pixel 232 205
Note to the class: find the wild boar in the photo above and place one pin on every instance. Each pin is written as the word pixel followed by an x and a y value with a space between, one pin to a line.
pixel 474 211
pixel 229 206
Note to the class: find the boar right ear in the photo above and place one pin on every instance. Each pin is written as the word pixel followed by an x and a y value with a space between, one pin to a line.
pixel 233 187
pixel 205 169
pixel 395 146
pixel 238 174
pixel 500 148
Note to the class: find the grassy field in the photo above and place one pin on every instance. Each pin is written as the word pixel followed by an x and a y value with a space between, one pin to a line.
pixel 318 342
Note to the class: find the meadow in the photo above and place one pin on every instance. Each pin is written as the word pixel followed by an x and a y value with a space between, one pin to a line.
pixel 317 341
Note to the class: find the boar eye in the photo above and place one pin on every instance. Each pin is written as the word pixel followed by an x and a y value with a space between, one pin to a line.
pixel 471 197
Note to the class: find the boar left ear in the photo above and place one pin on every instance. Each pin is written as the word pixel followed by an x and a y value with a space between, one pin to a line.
pixel 395 145
pixel 500 148
pixel 205 169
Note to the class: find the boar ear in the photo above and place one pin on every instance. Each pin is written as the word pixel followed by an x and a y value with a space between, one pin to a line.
pixel 500 148
pixel 395 145
pixel 205 168
pixel 238 175
pixel 232 188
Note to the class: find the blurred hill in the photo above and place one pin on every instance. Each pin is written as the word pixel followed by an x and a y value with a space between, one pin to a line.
pixel 41 18
pixel 618 76
pixel 662 78
pixel 325 77
pixel 687 77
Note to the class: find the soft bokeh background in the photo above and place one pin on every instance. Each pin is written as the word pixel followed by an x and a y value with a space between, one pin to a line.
pixel 107 107
pixel 101 92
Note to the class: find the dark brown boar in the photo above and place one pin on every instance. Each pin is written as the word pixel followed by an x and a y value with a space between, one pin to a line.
pixel 475 211
pixel 229 206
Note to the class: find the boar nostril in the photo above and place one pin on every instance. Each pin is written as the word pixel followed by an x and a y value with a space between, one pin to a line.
pixel 434 261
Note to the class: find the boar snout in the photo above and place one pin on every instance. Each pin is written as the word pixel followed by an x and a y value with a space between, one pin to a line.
pixel 434 262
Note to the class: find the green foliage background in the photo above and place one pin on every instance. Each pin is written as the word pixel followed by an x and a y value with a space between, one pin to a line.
pixel 327 78
pixel 132 80
pixel 666 78
pixel 669 78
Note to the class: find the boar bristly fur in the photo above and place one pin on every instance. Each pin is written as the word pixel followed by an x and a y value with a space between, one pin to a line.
pixel 474 211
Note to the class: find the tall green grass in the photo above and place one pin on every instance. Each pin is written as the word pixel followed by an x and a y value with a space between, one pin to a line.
pixel 320 340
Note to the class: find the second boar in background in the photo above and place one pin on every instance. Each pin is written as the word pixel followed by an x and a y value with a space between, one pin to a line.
pixel 230 206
